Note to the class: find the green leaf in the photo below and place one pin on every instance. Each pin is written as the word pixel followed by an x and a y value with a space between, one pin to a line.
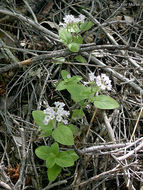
pixel 46 132
pixel 61 86
pixel 63 135
pixel 55 148
pixel 51 160
pixel 39 117
pixel 79 92
pixel 47 129
pixel 42 152
pixel 72 154
pixel 77 39
pixel 86 25
pixel 64 159
pixel 73 128
pixel 74 47
pixel 73 28
pixel 53 172
pixel 53 153
pixel 67 82
pixel 65 74
pixel 65 36
pixel 77 114
pixel 73 80
pixel 105 102
pixel 80 59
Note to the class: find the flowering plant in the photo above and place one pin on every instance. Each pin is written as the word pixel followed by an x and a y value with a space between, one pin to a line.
pixel 89 91
pixel 53 121
pixel 70 30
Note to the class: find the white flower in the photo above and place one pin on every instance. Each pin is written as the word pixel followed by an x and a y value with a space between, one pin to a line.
pixel 71 19
pixel 81 17
pixel 103 82
pixel 91 76
pixel 59 118
pixel 65 122
pixel 56 112
pixel 59 104
pixel 46 120
pixel 50 114
pixel 49 110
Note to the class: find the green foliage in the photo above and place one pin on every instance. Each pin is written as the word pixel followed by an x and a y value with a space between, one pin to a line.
pixel 53 172
pixel 64 159
pixel 42 152
pixel 65 74
pixel 79 92
pixel 80 59
pixel 55 159
pixel 67 81
pixel 77 39
pixel 86 26
pixel 70 35
pixel 73 128
pixel 65 36
pixel 73 28
pixel 77 114
pixel 105 102
pixel 74 47
pixel 62 134
pixel 39 117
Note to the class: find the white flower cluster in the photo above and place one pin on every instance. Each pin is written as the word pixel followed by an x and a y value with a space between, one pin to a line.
pixel 57 113
pixel 102 81
pixel 92 77
pixel 71 19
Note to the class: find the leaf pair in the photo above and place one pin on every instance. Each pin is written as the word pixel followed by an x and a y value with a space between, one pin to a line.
pixel 55 160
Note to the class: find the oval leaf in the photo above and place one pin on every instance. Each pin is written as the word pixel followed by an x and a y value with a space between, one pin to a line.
pixel 72 154
pixel 65 36
pixel 63 135
pixel 77 39
pixel 55 148
pixel 74 47
pixel 53 172
pixel 42 152
pixel 39 117
pixel 50 161
pixel 105 102
pixel 80 59
pixel 64 160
